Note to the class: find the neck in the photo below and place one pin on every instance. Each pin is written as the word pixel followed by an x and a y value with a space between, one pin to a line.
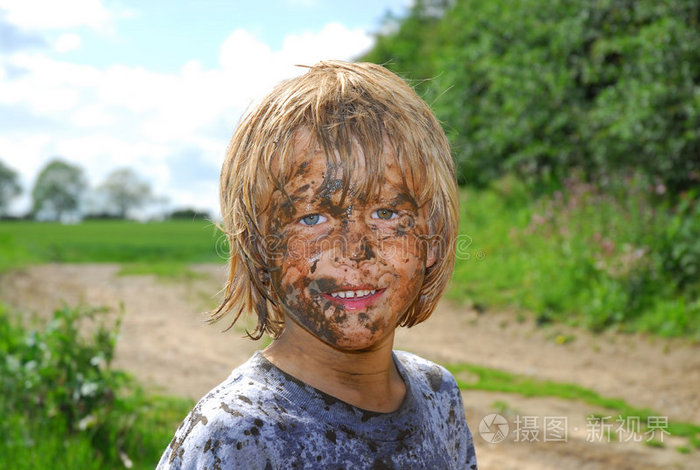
pixel 367 379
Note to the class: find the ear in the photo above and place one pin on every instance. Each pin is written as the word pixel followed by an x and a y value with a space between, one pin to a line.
pixel 431 255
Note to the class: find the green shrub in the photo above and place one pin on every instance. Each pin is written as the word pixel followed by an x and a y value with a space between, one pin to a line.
pixel 62 406
pixel 544 86
pixel 679 244
pixel 598 258
pixel 59 372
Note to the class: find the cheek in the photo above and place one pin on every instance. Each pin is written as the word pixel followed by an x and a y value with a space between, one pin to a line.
pixel 288 281
pixel 405 251
pixel 291 266
pixel 300 296
pixel 405 258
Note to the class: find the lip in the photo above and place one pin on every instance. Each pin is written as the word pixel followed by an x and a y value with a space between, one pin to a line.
pixel 356 303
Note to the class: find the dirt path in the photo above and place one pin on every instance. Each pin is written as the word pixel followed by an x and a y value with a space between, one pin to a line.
pixel 168 346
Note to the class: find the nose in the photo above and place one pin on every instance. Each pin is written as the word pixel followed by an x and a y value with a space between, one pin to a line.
pixel 361 251
pixel 355 248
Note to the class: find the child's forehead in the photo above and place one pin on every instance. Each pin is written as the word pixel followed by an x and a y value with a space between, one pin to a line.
pixel 311 173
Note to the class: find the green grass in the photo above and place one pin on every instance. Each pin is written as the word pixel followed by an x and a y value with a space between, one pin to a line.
pixel 493 380
pixel 167 270
pixel 146 244
pixel 140 433
pixel 599 259
pixel 614 259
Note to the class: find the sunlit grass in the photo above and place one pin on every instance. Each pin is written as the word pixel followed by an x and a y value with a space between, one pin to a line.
pixel 494 380
pixel 187 241
pixel 166 270
pixel 582 256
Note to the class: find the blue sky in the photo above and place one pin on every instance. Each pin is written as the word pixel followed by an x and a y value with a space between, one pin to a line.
pixel 156 85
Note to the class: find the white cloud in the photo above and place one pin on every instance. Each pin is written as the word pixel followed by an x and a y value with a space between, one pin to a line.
pixel 25 153
pixel 253 68
pixel 334 41
pixel 42 14
pixel 131 116
pixel 91 116
pixel 67 42
pixel 47 86
pixel 241 49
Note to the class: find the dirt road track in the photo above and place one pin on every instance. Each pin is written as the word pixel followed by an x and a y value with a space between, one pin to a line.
pixel 166 344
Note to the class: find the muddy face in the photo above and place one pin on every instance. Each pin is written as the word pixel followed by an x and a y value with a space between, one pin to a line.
pixel 345 269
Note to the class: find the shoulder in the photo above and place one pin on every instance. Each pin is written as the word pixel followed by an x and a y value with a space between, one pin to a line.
pixel 425 373
pixel 227 426
pixel 441 401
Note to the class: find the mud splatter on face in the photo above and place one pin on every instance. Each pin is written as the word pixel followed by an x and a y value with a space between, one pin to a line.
pixel 367 251
pixel 345 274
pixel 302 169
pixel 313 312
pixel 329 188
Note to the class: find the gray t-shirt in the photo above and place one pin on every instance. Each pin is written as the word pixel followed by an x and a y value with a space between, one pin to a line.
pixel 262 418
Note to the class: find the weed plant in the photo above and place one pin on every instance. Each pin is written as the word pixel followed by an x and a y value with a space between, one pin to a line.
pixel 604 258
pixel 63 406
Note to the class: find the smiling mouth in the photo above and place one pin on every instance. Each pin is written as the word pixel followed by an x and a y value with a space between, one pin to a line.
pixel 354 299
pixel 352 294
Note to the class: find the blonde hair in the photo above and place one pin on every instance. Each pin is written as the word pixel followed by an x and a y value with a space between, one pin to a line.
pixel 342 106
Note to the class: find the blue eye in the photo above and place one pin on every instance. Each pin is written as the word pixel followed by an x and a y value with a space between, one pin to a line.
pixel 313 219
pixel 384 214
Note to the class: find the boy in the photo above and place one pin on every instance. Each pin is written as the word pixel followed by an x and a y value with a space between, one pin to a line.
pixel 340 205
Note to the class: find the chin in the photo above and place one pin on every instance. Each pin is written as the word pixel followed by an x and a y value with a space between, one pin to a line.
pixel 355 342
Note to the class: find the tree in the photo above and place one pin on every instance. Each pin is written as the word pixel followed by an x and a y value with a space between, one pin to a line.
pixel 58 190
pixel 124 190
pixel 189 214
pixel 541 87
pixel 9 187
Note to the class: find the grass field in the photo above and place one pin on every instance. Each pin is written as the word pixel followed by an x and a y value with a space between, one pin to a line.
pixel 157 243
pixel 602 260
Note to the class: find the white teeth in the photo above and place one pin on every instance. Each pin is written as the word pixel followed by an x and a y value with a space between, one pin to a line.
pixel 350 294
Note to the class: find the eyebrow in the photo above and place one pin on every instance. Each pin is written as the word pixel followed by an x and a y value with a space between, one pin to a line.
pixel 294 202
pixel 402 198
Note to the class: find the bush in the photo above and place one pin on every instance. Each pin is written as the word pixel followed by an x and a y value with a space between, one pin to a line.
pixel 58 372
pixel 603 259
pixel 541 86
pixel 62 406
pixel 572 98
pixel 679 244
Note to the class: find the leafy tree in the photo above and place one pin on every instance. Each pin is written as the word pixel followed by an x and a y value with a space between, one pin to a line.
pixel 543 86
pixel 58 190
pixel 125 190
pixel 9 187
pixel 189 214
